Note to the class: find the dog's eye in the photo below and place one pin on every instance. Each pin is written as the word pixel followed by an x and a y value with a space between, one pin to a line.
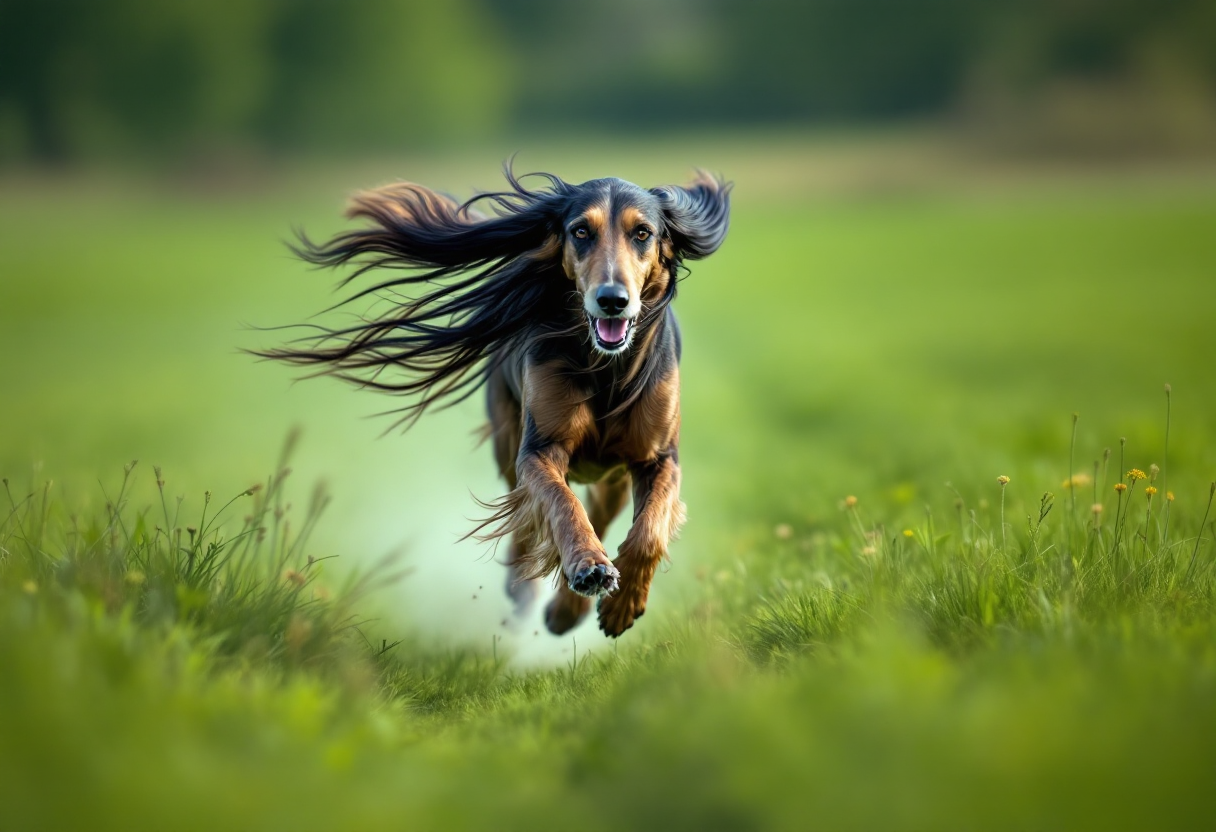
pixel 642 234
pixel 581 233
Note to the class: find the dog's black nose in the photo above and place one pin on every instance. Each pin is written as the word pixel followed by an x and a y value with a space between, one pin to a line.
pixel 612 298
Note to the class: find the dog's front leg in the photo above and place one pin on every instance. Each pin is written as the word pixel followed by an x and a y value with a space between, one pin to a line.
pixel 657 517
pixel 583 561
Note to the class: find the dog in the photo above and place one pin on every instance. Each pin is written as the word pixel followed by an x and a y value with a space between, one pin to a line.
pixel 557 302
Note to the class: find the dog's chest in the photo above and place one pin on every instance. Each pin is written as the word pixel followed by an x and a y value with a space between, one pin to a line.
pixel 595 457
pixel 636 435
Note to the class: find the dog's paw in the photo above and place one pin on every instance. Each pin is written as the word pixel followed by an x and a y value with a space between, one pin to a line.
pixel 594 575
pixel 565 611
pixel 618 612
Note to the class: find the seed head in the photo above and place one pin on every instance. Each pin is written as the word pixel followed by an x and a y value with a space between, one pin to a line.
pixel 1153 471
pixel 207 498
pixel 294 577
pixel 869 551
pixel 251 490
pixel 1096 508
pixel 1003 480
pixel 783 531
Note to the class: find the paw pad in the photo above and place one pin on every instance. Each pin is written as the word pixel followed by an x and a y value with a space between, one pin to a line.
pixel 595 579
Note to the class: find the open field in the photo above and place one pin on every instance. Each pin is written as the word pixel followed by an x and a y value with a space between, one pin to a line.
pixel 885 322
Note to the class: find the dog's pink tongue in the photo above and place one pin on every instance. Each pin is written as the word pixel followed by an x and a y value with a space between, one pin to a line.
pixel 611 330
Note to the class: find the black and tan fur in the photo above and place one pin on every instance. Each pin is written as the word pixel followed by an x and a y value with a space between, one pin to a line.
pixel 508 302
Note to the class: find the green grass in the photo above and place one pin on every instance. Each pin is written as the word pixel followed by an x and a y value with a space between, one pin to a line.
pixel 849 637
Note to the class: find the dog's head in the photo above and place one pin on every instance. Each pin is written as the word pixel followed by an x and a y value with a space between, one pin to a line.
pixel 621 245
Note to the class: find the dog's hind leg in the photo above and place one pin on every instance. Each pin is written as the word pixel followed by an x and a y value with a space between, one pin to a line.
pixel 522 591
pixel 506 428
pixel 605 499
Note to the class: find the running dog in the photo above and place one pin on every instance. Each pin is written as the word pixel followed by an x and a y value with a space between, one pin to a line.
pixel 556 302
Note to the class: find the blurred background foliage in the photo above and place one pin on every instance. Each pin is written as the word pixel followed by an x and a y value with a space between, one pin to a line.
pixel 144 79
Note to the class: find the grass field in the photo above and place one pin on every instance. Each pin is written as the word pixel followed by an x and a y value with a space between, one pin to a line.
pixel 860 628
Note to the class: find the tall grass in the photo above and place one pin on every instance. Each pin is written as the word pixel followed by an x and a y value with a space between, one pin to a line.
pixel 1053 575
pixel 245 583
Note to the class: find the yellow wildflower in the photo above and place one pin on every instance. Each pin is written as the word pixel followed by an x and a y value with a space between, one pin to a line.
pixel 29 588
pixel 1097 508
pixel 850 501
pixel 1135 474
pixel 1150 491
pixel 1003 480
pixel 1077 481
pixel 909 533
pixel 1169 495
pixel 1120 487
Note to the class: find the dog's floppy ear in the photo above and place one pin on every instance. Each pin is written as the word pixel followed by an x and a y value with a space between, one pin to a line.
pixel 696 216
pixel 409 226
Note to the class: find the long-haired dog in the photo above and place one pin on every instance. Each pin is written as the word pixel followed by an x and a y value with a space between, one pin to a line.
pixel 558 303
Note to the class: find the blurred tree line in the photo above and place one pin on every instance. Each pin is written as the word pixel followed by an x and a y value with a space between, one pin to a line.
pixel 87 78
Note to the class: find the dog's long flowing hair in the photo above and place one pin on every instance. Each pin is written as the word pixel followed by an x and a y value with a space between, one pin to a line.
pixel 471 288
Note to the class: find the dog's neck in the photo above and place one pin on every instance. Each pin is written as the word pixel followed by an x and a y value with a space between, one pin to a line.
pixel 617 381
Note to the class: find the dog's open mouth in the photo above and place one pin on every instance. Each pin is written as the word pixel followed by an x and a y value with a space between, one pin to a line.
pixel 611 334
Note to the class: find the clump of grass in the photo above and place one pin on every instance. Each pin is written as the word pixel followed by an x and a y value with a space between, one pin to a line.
pixel 987 583
pixel 248 586
pixel 795 621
